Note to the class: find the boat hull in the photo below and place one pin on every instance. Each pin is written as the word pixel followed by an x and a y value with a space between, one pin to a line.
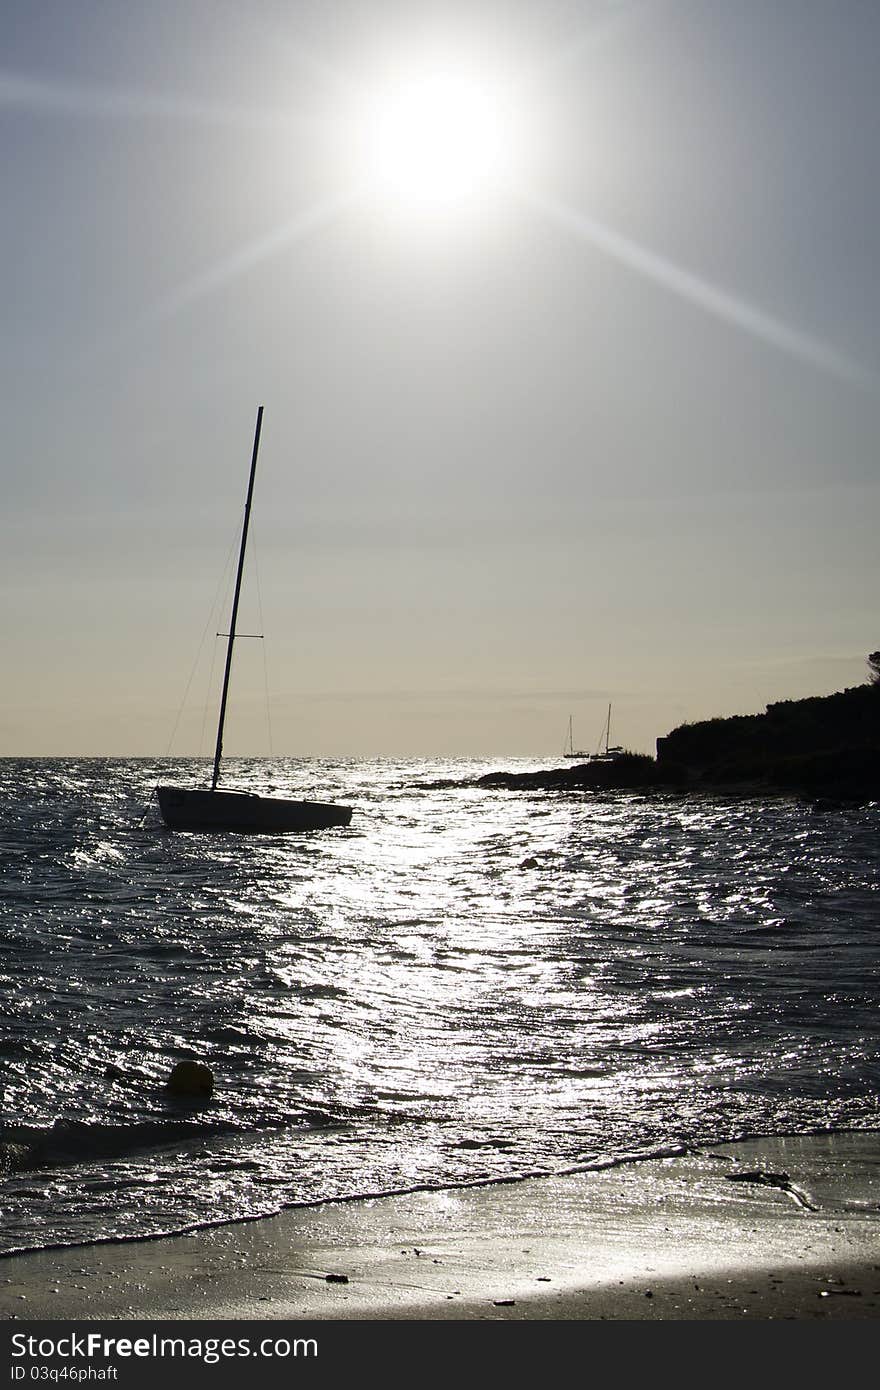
pixel 191 808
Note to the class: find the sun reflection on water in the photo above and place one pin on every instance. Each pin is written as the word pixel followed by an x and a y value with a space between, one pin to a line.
pixel 462 983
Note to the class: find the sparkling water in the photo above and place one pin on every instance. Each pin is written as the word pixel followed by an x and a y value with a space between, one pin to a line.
pixel 465 984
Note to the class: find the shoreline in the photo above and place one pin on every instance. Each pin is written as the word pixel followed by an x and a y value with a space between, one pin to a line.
pixel 782 1227
pixel 642 781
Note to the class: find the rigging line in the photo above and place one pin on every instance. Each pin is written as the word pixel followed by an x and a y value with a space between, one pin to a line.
pixel 606 729
pixel 203 753
pixel 212 619
pixel 259 593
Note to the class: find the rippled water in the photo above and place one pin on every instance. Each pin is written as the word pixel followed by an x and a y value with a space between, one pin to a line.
pixel 462 984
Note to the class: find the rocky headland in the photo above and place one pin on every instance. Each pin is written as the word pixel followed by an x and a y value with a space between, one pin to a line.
pixel 826 746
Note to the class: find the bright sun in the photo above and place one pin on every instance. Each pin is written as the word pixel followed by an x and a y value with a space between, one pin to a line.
pixel 434 139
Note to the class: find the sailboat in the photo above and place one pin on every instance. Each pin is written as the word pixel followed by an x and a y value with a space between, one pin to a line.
pixel 570 750
pixel 608 754
pixel 212 808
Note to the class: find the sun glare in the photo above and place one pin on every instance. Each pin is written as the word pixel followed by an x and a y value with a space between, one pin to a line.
pixel 433 140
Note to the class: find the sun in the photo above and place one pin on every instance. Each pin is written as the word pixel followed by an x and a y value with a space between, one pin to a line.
pixel 434 139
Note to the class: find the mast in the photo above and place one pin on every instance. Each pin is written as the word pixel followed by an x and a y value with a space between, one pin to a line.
pixel 244 531
pixel 608 730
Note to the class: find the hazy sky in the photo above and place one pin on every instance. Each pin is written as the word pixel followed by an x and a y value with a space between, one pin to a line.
pixel 599 424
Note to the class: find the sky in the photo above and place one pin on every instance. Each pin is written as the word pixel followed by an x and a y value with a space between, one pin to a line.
pixel 565 318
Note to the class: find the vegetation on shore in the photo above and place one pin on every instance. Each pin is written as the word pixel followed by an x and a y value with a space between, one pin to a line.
pixel 825 745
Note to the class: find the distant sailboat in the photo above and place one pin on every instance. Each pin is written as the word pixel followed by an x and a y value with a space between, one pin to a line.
pixel 603 755
pixel 570 750
pixel 608 754
pixel 209 808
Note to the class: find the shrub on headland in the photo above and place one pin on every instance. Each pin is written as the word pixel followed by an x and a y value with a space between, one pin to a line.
pixel 825 744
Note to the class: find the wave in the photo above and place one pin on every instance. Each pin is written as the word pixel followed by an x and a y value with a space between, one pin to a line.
pixel 586 1163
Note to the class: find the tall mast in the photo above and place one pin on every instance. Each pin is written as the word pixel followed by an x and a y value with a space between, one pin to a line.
pixel 232 621
pixel 608 730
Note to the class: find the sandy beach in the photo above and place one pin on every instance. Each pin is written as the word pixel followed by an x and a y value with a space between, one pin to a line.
pixel 765 1229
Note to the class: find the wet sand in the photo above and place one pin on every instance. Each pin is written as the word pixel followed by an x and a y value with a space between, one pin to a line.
pixel 715 1234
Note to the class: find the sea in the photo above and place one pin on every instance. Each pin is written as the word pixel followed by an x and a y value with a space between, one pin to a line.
pixel 466 985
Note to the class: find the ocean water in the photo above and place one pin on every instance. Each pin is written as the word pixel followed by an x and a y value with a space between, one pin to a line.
pixel 463 985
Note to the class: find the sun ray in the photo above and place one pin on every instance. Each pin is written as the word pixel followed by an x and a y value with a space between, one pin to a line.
pixel 273 243
pixel 720 304
pixel 42 97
